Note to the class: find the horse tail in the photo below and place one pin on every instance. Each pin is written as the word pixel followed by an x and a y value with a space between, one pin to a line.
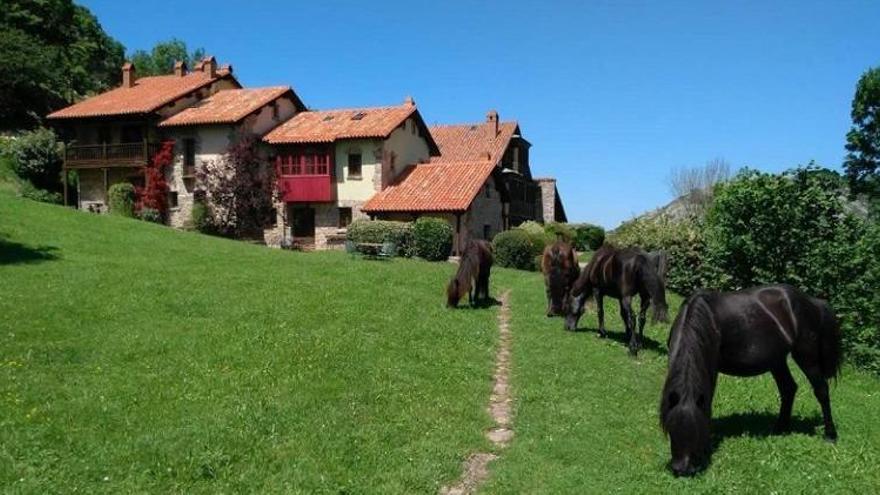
pixel 830 349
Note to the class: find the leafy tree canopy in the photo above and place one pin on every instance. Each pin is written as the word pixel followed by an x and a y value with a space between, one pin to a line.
pixel 52 53
pixel 160 60
pixel 862 162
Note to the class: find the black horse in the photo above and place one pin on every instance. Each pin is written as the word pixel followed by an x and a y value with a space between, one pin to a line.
pixel 472 277
pixel 743 333
pixel 621 274
pixel 560 267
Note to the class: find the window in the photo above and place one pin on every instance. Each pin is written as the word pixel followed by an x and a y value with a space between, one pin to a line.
pixel 189 152
pixel 172 199
pixel 344 217
pixel 412 127
pixel 487 232
pixel 104 135
pixel 132 134
pixel 274 110
pixel 488 190
pixel 354 165
pixel 359 116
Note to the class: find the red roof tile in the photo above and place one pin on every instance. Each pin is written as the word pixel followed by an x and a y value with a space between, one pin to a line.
pixel 433 187
pixel 329 125
pixel 228 106
pixel 471 142
pixel 147 95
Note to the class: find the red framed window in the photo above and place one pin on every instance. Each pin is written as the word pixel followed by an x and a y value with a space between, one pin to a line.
pixel 304 164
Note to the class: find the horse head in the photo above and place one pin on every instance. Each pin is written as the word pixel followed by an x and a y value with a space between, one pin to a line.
pixel 686 421
pixel 452 293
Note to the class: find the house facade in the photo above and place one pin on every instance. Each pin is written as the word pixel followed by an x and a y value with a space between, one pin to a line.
pixel 204 132
pixel 330 163
pixel 112 136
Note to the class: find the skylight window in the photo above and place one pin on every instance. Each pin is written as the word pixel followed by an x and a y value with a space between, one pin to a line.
pixel 328 118
pixel 359 116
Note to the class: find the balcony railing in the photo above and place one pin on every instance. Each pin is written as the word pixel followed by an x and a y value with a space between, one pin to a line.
pixel 306 188
pixel 109 155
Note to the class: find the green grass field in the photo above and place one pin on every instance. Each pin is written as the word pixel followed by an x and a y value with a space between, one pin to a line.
pixel 135 358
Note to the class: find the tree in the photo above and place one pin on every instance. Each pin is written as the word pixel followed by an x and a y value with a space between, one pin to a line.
pixel 239 189
pixel 863 139
pixel 51 54
pixel 160 60
pixel 694 186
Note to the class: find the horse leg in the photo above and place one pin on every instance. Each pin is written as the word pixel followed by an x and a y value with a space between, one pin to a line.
pixel 644 304
pixel 626 312
pixel 549 301
pixel 600 314
pixel 787 390
pixel 820 390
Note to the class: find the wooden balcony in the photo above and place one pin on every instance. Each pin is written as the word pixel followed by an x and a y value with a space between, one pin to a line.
pixel 109 155
pixel 306 188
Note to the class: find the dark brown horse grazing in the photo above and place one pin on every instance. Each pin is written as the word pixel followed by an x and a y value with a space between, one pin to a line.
pixel 560 267
pixel 743 333
pixel 621 274
pixel 472 277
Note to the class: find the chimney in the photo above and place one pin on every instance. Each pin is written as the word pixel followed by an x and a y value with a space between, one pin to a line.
pixel 492 120
pixel 179 68
pixel 209 66
pixel 409 102
pixel 227 68
pixel 128 76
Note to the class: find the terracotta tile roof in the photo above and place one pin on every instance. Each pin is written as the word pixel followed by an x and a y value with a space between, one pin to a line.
pixel 471 142
pixel 147 95
pixel 448 186
pixel 330 125
pixel 228 106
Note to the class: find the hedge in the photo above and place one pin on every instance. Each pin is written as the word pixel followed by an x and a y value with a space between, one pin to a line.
pixel 514 249
pixel 588 237
pixel 432 238
pixel 379 231
pixel 122 199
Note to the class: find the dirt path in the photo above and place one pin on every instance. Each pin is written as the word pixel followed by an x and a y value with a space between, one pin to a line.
pixel 475 470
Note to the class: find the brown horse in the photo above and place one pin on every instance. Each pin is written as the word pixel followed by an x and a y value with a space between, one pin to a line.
pixel 744 333
pixel 472 277
pixel 621 274
pixel 560 267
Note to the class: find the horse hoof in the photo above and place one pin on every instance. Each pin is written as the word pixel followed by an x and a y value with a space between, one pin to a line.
pixel 831 438
pixel 601 335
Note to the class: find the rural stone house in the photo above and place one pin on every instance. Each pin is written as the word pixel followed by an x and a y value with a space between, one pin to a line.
pixel 204 132
pixel 111 136
pixel 330 163
pixel 331 166
pixel 481 183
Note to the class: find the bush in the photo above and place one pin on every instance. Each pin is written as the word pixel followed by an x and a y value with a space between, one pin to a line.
pixel 432 238
pixel 150 215
pixel 27 190
pixel 858 303
pixel 122 199
pixel 588 237
pixel 36 158
pixel 681 239
pixel 514 249
pixel 201 218
pixel 380 231
pixel 557 230
pixel 538 237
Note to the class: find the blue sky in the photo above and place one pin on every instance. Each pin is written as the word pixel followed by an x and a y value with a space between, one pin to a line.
pixel 612 95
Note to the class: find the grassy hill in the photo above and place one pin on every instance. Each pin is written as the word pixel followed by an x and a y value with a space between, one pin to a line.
pixel 135 358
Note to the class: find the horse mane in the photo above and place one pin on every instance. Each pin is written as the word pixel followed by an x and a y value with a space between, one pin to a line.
pixel 693 343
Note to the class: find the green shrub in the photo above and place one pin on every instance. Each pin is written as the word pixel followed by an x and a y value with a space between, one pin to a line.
pixel 557 230
pixel 538 237
pixel 36 158
pixel 514 249
pixel 681 239
pixel 379 231
pixel 150 215
pixel 122 198
pixel 858 303
pixel 432 238
pixel 588 237
pixel 200 218
pixel 27 190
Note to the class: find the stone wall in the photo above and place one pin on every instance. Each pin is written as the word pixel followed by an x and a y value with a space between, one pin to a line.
pixel 92 194
pixel 487 209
